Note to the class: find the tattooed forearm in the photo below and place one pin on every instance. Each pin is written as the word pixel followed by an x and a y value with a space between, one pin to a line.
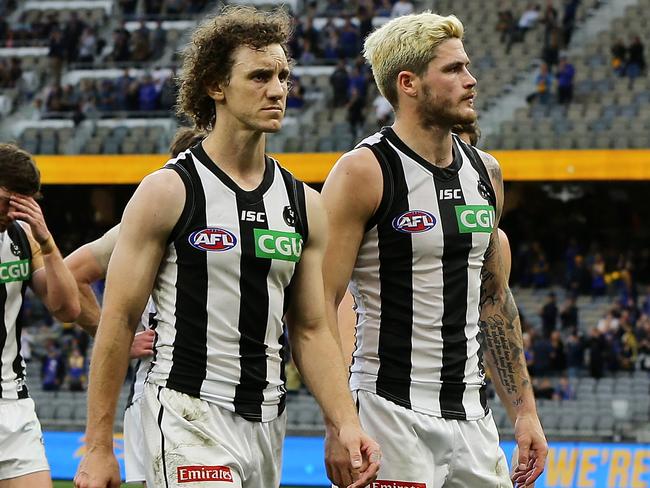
pixel 502 338
pixel 500 348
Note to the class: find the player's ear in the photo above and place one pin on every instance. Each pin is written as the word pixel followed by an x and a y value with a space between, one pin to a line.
pixel 408 83
pixel 215 92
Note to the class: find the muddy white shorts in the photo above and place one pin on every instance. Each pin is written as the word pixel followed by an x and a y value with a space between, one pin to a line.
pixel 195 444
pixel 21 440
pixel 422 451
pixel 133 443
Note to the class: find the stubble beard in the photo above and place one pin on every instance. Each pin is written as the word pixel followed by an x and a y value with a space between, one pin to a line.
pixel 432 112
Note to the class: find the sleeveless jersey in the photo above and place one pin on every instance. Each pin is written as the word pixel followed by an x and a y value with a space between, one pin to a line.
pixel 142 365
pixel 15 273
pixel 416 282
pixel 223 287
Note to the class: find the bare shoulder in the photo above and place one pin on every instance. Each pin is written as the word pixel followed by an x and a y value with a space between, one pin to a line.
pixel 157 202
pixel 360 162
pixel 163 180
pixel 163 188
pixel 355 184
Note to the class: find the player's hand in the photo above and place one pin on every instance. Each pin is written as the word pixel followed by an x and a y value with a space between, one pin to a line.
pixel 98 469
pixel 142 345
pixel 26 209
pixel 532 450
pixel 351 457
pixel 517 472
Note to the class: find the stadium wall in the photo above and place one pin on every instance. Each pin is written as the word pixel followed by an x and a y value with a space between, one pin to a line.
pixel 537 165
pixel 569 464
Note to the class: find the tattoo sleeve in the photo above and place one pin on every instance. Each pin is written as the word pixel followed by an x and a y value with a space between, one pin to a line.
pixel 501 329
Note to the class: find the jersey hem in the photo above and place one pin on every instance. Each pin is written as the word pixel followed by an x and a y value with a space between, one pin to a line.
pixel 446 414
pixel 228 405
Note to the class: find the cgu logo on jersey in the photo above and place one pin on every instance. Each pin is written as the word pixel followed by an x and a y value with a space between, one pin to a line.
pixel 275 244
pixel 15 271
pixel 414 222
pixel 475 218
pixel 212 239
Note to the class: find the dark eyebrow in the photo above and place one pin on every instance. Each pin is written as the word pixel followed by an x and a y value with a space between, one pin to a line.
pixel 261 72
pixel 267 72
pixel 455 64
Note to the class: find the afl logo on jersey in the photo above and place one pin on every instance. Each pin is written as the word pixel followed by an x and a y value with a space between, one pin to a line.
pixel 212 239
pixel 414 222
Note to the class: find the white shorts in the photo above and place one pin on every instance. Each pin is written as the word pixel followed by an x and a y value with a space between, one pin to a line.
pixel 133 443
pixel 21 440
pixel 423 451
pixel 198 444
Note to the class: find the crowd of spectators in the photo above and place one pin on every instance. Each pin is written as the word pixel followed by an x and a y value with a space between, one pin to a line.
pixel 329 43
pixel 564 344
pixel 586 272
pixel 137 46
pixel 93 97
pixel 557 30
pixel 618 343
pixel 10 72
pixel 562 79
pixel 161 8
pixel 38 31
pixel 373 8
pixel 628 60
pixel 61 349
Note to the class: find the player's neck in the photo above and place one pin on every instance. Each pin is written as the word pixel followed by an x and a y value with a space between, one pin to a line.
pixel 432 143
pixel 240 154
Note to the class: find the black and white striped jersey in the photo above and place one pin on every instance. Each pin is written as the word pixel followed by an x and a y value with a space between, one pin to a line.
pixel 141 366
pixel 416 282
pixel 15 273
pixel 223 287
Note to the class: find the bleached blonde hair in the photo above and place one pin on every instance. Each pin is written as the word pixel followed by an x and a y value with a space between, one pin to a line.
pixel 407 43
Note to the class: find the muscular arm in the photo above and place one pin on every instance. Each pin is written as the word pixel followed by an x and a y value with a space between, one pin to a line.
pixel 89 264
pixel 52 281
pixel 315 348
pixel 308 329
pixel 131 272
pixel 499 319
pixel 349 206
pixel 500 324
pixel 503 394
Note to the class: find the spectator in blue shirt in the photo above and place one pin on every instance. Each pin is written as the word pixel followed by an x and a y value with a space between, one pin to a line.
pixel 565 74
pixel 543 84
pixel 564 390
pixel 148 94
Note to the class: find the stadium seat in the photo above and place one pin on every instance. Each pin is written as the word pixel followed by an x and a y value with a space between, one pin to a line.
pixel 605 426
pixel 586 425
pixel 568 423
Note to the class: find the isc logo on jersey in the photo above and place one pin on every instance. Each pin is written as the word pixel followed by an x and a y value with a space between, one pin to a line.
pixel 475 218
pixel 275 244
pixel 414 222
pixel 212 239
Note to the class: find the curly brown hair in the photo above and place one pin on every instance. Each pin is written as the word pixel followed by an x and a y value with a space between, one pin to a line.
pixel 208 60
pixel 185 138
